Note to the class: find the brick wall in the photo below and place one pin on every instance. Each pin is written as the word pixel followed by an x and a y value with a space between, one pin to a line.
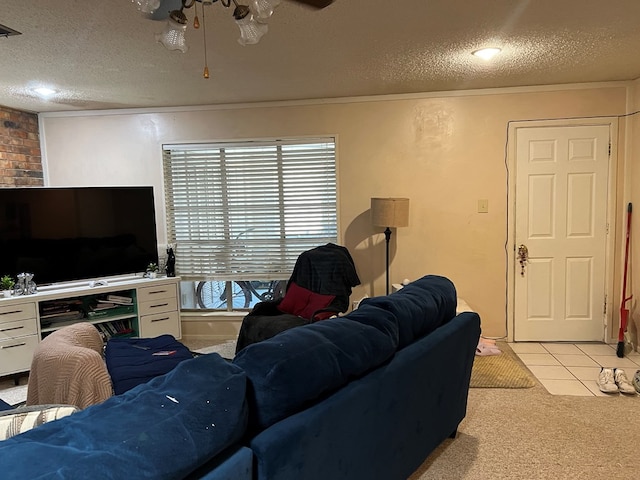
pixel 20 156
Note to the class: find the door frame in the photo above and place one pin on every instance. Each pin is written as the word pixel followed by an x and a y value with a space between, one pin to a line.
pixel 510 245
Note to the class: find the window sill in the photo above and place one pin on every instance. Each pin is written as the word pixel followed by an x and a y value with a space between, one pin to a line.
pixel 195 316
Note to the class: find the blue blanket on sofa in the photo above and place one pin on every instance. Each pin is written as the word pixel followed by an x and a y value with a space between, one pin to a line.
pixel 198 409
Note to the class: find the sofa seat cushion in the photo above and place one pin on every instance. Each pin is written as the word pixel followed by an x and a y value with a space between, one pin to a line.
pixel 159 430
pixel 4 405
pixel 420 307
pixel 294 368
pixel 132 361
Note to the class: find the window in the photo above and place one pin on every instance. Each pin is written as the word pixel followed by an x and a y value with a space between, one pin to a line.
pixel 239 214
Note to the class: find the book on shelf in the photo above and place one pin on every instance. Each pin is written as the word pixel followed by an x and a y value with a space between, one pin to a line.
pixel 120 299
pixel 114 329
pixel 113 311
pixel 64 313
pixel 59 323
pixel 123 327
pixel 103 331
pixel 58 319
pixel 104 305
pixel 59 307
pixel 53 304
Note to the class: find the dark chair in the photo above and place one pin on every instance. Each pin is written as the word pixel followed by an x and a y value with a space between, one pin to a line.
pixel 319 287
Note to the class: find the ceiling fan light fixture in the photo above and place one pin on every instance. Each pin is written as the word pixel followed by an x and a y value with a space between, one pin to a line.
pixel 146 6
pixel 250 31
pixel 251 20
pixel 487 53
pixel 172 37
pixel 263 9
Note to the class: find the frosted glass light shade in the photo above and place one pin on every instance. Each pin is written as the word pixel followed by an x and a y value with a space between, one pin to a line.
pixel 263 9
pixel 172 37
pixel 250 31
pixel 146 6
pixel 390 212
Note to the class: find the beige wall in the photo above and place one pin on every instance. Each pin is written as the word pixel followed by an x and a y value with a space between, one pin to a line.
pixel 443 152
pixel 633 195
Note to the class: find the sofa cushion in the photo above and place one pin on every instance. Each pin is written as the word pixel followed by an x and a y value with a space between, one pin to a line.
pixel 296 367
pixel 420 307
pixel 377 317
pixel 4 405
pixel 304 303
pixel 162 429
pixel 132 361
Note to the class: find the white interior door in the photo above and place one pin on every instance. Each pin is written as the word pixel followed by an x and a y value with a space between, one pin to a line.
pixel 561 218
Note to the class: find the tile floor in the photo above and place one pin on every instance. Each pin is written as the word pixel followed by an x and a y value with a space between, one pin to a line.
pixel 572 369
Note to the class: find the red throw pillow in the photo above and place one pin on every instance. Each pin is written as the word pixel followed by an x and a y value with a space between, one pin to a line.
pixel 303 303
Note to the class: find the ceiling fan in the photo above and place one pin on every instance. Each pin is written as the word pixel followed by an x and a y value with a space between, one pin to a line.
pixel 166 6
pixel 251 16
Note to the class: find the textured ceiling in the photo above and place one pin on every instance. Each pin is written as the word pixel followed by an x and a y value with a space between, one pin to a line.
pixel 102 54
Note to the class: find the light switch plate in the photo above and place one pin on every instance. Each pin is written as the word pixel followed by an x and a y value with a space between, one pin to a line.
pixel 483 206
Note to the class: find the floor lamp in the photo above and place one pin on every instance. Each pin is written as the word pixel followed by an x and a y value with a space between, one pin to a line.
pixel 389 213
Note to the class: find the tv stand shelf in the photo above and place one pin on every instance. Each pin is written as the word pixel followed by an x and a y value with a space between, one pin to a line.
pixel 131 307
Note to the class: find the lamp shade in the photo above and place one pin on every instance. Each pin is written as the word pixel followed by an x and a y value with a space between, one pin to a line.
pixel 390 212
pixel 172 37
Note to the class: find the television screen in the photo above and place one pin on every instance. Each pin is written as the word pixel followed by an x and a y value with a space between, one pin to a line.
pixel 76 233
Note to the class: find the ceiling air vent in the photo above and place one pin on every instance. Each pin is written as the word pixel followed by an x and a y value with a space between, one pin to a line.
pixel 7 32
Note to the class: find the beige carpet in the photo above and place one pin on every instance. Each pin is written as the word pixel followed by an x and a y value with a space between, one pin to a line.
pixel 225 350
pixel 501 371
pixel 529 434
pixel 14 395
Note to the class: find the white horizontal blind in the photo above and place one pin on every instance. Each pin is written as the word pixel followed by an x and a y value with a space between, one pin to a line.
pixel 245 211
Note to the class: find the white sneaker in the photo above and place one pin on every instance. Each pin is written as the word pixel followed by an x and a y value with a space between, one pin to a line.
pixel 636 381
pixel 623 382
pixel 606 381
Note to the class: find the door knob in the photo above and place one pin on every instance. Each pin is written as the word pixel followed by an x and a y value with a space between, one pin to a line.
pixel 523 257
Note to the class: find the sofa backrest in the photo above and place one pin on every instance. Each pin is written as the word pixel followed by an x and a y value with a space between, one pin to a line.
pixel 420 307
pixel 298 366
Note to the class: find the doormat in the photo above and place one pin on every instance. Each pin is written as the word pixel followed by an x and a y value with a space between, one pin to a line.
pixel 500 371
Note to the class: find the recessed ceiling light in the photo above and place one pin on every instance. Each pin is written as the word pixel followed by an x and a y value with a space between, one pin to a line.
pixel 487 53
pixel 45 91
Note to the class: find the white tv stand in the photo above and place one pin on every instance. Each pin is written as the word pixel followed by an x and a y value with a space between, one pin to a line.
pixel 25 320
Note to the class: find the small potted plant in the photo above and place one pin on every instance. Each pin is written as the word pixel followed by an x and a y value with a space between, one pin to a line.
pixel 152 270
pixel 6 284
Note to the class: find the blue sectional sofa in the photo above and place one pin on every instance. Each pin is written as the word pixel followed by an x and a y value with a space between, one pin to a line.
pixel 364 396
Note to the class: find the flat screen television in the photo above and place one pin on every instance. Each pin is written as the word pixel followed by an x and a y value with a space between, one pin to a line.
pixel 62 234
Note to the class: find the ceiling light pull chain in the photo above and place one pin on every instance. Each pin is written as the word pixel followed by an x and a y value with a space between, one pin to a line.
pixel 196 21
pixel 205 74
